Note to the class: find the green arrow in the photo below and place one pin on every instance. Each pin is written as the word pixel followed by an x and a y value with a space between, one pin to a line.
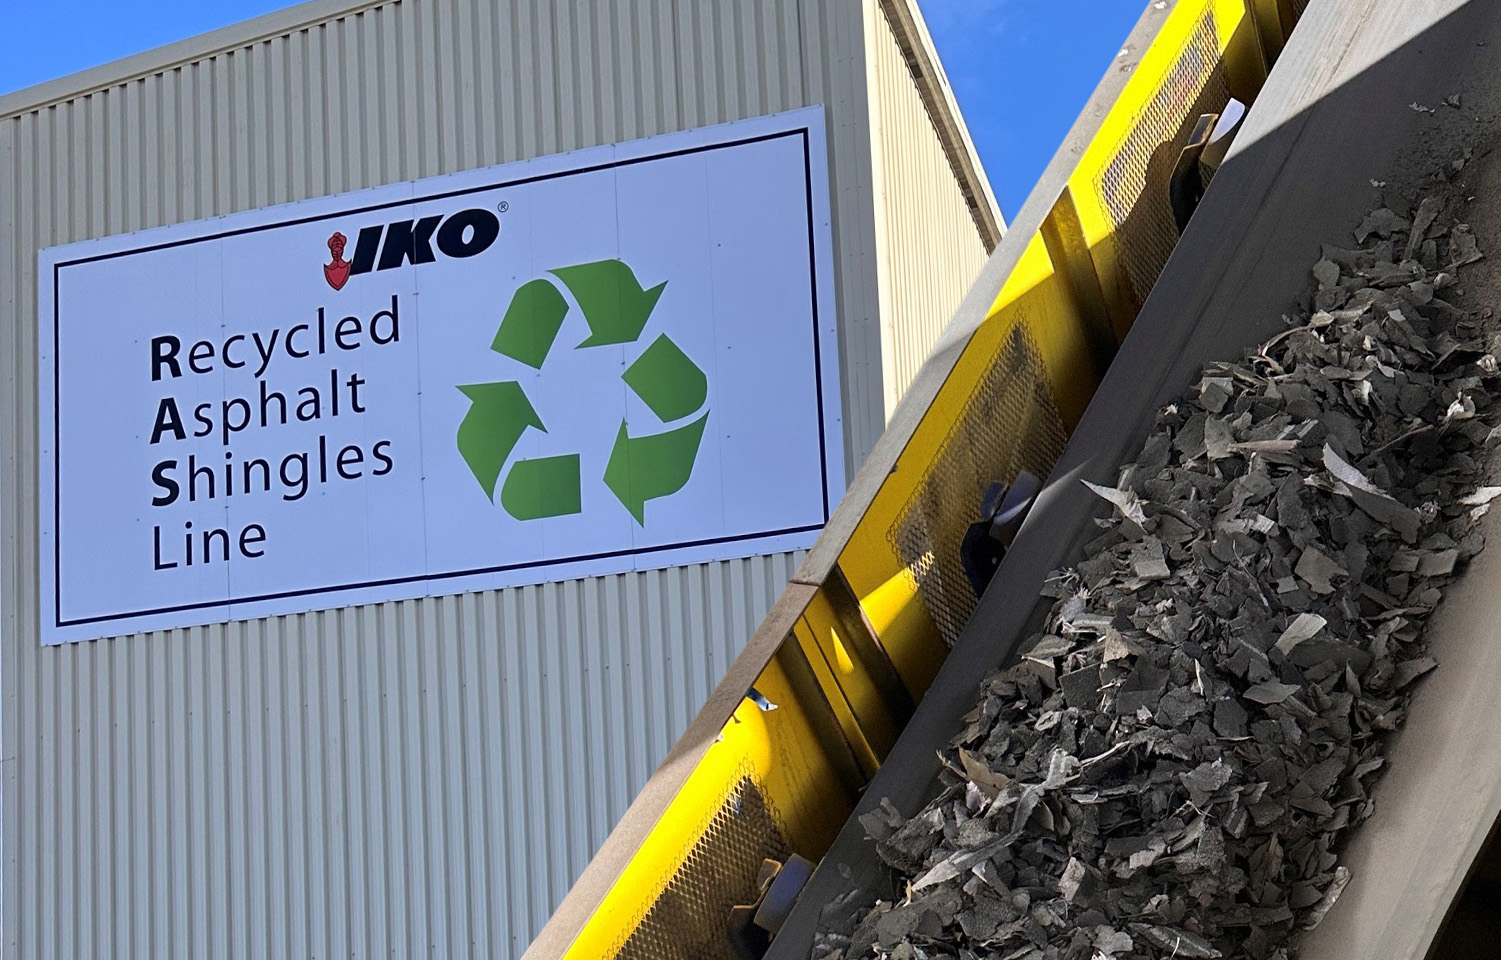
pixel 542 487
pixel 671 384
pixel 499 414
pixel 652 466
pixel 614 305
pixel 531 323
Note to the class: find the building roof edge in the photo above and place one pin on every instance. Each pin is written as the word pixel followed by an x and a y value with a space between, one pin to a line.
pixel 169 56
pixel 912 35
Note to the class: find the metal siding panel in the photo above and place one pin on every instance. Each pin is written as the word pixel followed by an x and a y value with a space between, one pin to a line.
pixel 931 250
pixel 486 85
pixel 834 29
pixel 404 777
pixel 17 210
pixel 146 125
pixel 272 81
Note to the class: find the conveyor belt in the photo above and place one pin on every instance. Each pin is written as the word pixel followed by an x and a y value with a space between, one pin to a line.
pixel 1334 118
pixel 865 624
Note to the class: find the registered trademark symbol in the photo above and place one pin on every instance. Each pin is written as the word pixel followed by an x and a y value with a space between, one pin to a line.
pixel 502 206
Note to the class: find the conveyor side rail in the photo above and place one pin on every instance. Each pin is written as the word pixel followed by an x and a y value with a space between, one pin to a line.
pixel 867 621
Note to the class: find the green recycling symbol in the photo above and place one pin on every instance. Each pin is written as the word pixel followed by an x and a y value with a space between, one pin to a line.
pixel 640 468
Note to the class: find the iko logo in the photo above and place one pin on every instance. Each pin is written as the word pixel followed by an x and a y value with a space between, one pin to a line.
pixel 387 246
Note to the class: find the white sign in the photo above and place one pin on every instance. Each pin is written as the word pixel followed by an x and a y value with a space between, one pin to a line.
pixel 615 359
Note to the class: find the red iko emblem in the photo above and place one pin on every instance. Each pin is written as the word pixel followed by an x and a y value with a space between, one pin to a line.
pixel 336 271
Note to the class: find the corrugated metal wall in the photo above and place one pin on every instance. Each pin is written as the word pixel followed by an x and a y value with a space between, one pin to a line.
pixel 408 779
pixel 931 249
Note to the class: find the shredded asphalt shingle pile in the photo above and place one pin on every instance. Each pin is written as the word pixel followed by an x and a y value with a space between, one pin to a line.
pixel 1169 768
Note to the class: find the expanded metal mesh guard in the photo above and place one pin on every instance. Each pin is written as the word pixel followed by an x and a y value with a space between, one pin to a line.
pixel 1134 185
pixel 1010 423
pixel 688 919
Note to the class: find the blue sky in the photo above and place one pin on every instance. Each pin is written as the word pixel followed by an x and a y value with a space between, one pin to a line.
pixel 1021 69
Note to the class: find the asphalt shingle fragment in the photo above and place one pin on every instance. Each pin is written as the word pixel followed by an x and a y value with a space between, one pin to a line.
pixel 1168 768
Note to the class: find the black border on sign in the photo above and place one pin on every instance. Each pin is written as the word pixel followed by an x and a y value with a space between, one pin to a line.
pixel 803 132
